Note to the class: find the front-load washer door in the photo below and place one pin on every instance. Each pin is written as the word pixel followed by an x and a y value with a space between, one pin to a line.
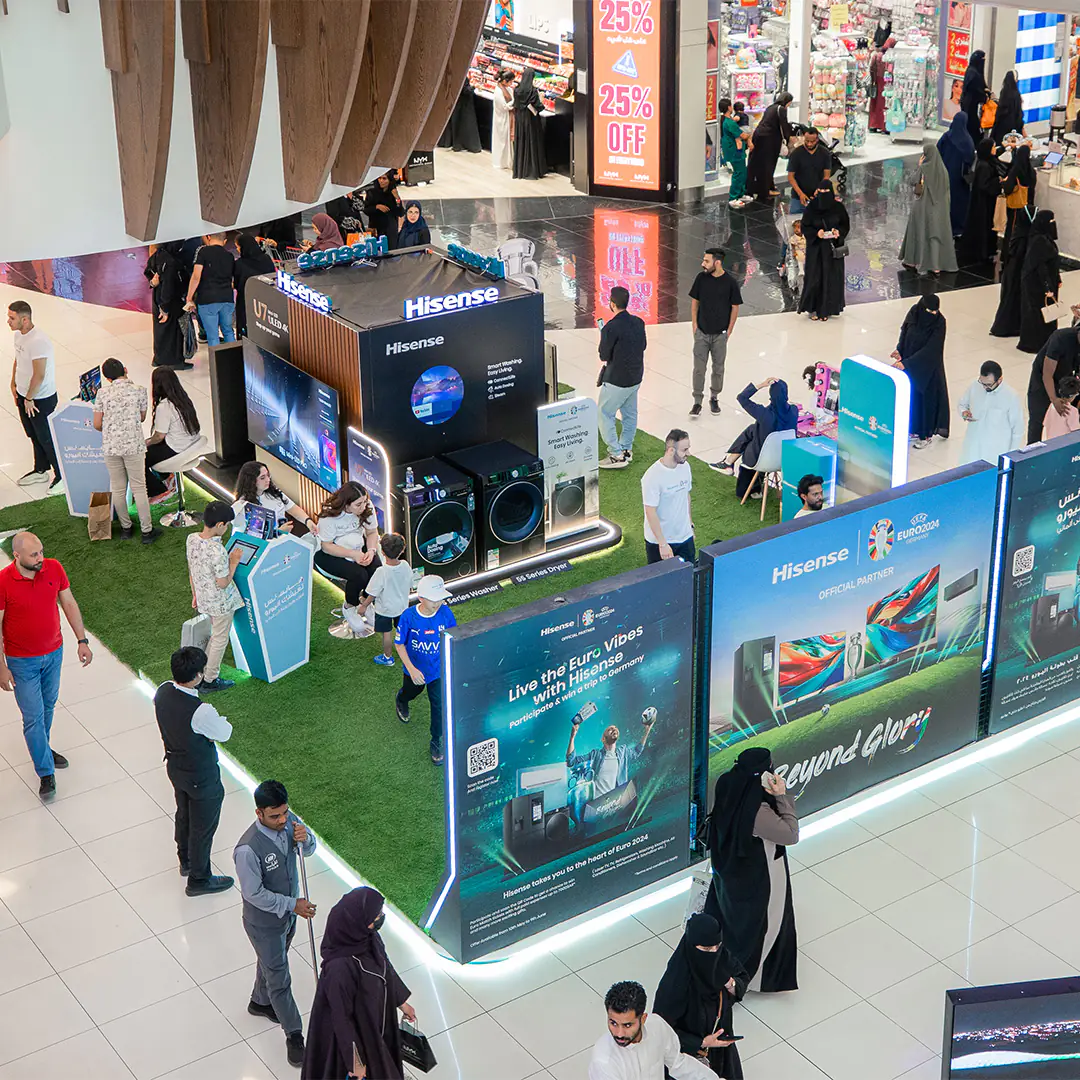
pixel 516 512
pixel 443 533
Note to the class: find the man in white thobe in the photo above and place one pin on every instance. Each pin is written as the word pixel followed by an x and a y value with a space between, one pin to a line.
pixel 993 417
pixel 634 1050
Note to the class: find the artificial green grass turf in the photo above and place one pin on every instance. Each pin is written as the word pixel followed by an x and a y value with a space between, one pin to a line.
pixel 328 731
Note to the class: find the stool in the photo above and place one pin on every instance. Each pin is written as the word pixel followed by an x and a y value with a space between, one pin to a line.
pixel 190 458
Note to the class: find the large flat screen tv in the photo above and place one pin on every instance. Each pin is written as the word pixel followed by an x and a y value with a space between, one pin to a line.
pixel 903 621
pixel 293 416
pixel 1015 1031
pixel 809 665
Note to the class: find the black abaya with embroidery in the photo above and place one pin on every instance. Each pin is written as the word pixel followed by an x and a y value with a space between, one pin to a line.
pixel 750 895
pixel 922 352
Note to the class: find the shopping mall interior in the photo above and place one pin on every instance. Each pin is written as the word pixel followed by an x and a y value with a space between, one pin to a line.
pixel 890 674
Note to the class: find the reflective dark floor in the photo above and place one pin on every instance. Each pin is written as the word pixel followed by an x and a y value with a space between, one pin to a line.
pixel 584 246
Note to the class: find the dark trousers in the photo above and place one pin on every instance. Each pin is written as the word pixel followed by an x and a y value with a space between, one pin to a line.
pixel 37 431
pixel 1038 403
pixel 156 452
pixel 355 576
pixel 409 690
pixel 684 550
pixel 198 808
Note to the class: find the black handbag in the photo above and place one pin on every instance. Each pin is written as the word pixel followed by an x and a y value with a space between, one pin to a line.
pixel 415 1048
pixel 840 251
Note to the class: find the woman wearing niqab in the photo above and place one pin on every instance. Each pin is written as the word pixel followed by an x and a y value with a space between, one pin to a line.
pixel 357 998
pixel 928 241
pixel 921 353
pixel 1040 281
pixel 823 273
pixel 750 829
pixel 529 160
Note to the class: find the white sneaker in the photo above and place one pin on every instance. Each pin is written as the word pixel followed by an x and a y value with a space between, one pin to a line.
pixel 33 478
pixel 57 488
pixel 613 461
pixel 357 624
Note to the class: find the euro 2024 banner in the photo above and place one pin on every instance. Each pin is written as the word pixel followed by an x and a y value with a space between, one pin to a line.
pixel 852 647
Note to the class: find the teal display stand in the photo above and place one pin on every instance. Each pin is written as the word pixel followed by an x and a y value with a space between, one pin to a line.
pixel 799 457
pixel 271 636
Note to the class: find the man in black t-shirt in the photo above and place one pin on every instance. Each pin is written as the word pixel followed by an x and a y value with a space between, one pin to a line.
pixel 809 166
pixel 210 290
pixel 622 352
pixel 1059 357
pixel 714 307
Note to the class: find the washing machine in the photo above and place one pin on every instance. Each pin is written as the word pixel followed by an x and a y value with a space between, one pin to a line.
pixel 436 517
pixel 510 505
pixel 568 506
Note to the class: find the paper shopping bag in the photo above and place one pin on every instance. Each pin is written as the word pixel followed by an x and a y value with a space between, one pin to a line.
pixel 99 517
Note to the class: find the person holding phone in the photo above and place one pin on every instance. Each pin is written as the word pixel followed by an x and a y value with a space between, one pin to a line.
pixel 696 994
pixel 751 824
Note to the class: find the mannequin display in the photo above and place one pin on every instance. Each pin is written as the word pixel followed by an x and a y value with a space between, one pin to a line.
pixel 877 91
pixel 882 32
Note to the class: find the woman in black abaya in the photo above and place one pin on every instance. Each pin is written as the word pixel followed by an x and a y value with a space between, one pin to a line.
pixel 973 96
pixel 978 242
pixel 696 994
pixel 1018 187
pixel 921 353
pixel 957 151
pixel 253 261
pixel 751 824
pixel 772 132
pixel 357 998
pixel 1007 319
pixel 825 224
pixel 165 272
pixel 1010 110
pixel 1040 281
pixel 529 161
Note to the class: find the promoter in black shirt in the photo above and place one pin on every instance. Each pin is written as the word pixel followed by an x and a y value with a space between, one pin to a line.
pixel 716 296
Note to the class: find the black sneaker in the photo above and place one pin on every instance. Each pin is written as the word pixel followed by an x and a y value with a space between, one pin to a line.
pixel 401 709
pixel 152 535
pixel 184 869
pixel 128 533
pixel 294 1048
pixel 214 883
pixel 263 1010
pixel 714 406
pixel 47 787
pixel 695 412
pixel 59 760
pixel 218 684
pixel 722 467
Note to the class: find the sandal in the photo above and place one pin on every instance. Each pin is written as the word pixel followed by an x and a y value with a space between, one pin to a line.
pixel 814 318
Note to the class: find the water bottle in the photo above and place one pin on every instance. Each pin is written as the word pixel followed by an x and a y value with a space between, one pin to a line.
pixel 408 478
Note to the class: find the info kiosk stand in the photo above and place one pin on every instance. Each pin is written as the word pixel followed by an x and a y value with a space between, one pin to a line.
pixel 272 635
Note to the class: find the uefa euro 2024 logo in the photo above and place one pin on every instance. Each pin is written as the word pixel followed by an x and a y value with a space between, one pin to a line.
pixel 881 538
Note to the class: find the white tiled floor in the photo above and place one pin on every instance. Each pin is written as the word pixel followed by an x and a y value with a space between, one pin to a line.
pixel 108 970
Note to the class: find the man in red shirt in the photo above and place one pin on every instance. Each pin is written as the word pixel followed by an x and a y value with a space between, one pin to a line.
pixel 31 586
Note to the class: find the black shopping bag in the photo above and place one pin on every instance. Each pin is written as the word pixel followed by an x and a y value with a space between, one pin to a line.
pixel 415 1048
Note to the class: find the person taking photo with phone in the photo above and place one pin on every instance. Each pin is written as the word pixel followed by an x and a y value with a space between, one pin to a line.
pixel 751 824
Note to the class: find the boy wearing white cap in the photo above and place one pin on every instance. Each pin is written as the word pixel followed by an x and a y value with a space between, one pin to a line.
pixel 418 641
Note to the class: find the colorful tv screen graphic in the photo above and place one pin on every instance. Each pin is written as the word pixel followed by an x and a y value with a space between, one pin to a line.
pixel 902 620
pixel 810 665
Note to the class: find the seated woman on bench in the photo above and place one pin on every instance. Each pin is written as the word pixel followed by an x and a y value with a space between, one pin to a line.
pixel 348 549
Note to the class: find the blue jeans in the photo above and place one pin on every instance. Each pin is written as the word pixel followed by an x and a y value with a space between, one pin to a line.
pixel 37 686
pixel 215 316
pixel 618 399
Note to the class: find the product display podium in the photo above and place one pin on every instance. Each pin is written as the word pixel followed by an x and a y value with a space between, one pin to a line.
pixel 271 636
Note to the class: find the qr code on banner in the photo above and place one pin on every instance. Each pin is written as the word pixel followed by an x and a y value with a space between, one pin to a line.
pixel 1023 560
pixel 482 757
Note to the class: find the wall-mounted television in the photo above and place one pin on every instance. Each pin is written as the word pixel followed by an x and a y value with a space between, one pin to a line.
pixel 809 665
pixel 293 416
pixel 903 621
pixel 1015 1031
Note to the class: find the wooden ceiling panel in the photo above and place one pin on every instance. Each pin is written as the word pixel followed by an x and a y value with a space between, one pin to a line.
pixel 429 52
pixel 140 49
pixel 470 23
pixel 317 80
pixel 381 74
pixel 226 95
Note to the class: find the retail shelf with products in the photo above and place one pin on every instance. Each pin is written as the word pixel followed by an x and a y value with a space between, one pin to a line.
pixel 836 101
pixel 553 63
pixel 906 117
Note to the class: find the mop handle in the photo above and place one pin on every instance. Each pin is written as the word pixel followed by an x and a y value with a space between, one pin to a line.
pixel 310 927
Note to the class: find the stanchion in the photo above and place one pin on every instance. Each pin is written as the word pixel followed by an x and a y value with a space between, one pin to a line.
pixel 310 926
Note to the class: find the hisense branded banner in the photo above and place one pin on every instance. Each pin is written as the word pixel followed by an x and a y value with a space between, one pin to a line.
pixel 568 766
pixel 852 646
pixel 1035 622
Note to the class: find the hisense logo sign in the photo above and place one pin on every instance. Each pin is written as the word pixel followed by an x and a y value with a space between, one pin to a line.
pixel 422 306
pixel 287 284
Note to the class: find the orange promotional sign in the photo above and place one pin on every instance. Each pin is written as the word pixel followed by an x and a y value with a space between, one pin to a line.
pixel 626 248
pixel 626 101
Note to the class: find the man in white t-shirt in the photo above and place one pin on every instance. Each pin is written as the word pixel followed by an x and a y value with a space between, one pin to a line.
pixel 665 491
pixel 33 386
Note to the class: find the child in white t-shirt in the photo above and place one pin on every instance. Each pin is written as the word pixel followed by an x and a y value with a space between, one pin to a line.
pixel 388 590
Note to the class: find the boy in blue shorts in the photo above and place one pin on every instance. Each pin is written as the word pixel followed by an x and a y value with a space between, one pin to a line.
pixel 418 640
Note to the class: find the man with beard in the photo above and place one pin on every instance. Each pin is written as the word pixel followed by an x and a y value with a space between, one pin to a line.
pixel 811 492
pixel 634 1050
